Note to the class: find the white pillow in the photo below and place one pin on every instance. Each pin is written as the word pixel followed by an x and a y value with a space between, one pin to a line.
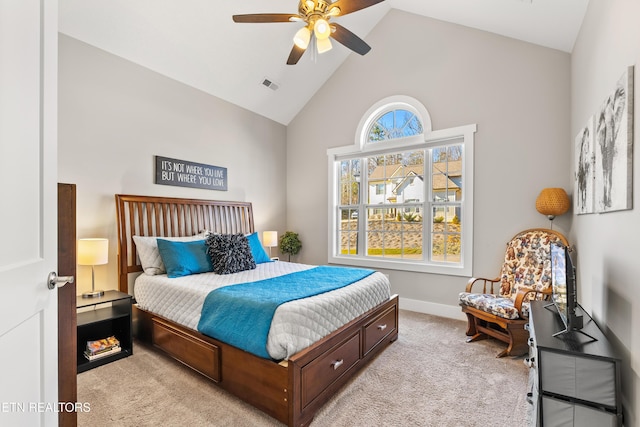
pixel 147 247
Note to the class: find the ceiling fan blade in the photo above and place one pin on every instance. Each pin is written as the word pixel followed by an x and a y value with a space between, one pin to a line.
pixel 350 40
pixel 295 55
pixel 349 6
pixel 264 17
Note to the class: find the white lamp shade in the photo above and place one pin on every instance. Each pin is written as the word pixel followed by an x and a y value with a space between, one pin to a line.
pixel 321 29
pixel 302 37
pixel 270 238
pixel 93 251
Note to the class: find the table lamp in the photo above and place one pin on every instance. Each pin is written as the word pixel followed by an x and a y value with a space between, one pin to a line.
pixel 270 239
pixel 93 252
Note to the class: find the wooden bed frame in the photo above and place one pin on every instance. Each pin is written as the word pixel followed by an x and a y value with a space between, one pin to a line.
pixel 291 391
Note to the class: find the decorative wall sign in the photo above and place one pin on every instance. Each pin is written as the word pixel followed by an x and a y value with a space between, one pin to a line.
pixel 183 173
pixel 585 170
pixel 614 148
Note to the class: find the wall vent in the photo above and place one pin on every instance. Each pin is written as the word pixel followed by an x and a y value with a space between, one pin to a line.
pixel 270 84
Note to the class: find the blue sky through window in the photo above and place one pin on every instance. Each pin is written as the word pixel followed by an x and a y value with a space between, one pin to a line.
pixel 395 124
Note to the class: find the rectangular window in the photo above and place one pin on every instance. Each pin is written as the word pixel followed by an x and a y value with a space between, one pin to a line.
pixel 393 225
pixel 404 209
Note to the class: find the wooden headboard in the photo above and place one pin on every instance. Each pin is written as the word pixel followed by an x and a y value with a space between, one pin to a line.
pixel 172 217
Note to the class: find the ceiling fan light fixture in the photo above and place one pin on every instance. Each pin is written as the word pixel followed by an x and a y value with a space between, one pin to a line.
pixel 323 45
pixel 302 37
pixel 321 29
pixel 317 30
pixel 334 11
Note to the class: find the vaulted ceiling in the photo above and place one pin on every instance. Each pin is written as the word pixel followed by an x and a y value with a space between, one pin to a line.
pixel 197 43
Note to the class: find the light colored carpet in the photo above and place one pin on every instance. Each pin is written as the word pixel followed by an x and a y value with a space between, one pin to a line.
pixel 429 377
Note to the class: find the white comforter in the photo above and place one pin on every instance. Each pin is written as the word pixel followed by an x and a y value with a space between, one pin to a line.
pixel 296 324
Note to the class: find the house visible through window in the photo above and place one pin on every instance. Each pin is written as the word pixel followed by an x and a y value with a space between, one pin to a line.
pixel 402 193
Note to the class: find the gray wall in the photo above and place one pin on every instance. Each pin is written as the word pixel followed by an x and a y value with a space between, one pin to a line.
pixel 517 93
pixel 608 244
pixel 114 116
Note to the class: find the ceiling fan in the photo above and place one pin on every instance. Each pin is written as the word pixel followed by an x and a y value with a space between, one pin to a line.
pixel 316 15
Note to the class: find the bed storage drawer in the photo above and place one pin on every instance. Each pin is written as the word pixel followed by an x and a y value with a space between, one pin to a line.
pixel 179 345
pixel 379 328
pixel 325 370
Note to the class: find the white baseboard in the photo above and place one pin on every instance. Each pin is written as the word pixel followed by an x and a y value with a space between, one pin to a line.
pixel 442 310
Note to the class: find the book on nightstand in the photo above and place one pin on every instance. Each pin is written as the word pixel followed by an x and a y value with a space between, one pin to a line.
pixel 103 353
pixel 101 348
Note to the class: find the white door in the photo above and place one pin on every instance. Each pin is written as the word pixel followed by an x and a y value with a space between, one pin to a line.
pixel 28 212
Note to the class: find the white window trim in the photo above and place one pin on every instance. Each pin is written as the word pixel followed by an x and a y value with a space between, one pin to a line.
pixel 430 137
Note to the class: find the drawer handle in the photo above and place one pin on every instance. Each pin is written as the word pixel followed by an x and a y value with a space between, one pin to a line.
pixel 336 364
pixel 382 327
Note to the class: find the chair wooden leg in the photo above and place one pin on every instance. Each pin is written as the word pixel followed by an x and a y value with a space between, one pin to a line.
pixel 477 337
pixel 472 329
pixel 518 337
pixel 471 325
pixel 503 353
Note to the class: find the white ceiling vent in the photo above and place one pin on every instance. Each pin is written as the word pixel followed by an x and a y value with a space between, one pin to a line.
pixel 270 84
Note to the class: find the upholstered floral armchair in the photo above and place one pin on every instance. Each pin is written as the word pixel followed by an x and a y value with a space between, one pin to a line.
pixel 500 307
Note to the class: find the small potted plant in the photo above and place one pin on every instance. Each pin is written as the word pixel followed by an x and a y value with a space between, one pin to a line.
pixel 290 243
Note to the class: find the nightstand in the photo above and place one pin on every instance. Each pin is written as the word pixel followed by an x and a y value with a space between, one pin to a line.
pixel 111 315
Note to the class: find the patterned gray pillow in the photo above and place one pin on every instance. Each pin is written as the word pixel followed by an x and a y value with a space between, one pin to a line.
pixel 230 253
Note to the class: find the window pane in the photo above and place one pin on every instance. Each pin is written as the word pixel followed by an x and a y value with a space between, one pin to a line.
pixel 393 233
pixel 396 178
pixel 377 180
pixel 376 225
pixel 392 245
pixel 445 234
pixel 454 166
pixel 413 244
pixel 446 174
pixel 345 194
pixel 395 124
pixel 453 249
pixel 437 247
pixel 348 235
pixel 349 184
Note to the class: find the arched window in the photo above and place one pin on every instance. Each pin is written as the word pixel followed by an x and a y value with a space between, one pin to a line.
pixel 396 117
pixel 403 194
pixel 397 123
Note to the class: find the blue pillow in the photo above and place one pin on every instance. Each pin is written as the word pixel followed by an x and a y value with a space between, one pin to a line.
pixel 258 252
pixel 184 258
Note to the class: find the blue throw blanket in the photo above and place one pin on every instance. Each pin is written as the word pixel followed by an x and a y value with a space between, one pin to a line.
pixel 241 314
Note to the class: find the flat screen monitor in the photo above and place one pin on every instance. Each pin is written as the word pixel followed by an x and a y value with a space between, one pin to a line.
pixel 563 283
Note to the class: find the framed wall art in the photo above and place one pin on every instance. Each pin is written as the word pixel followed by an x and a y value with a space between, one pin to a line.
pixel 613 150
pixel 584 170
